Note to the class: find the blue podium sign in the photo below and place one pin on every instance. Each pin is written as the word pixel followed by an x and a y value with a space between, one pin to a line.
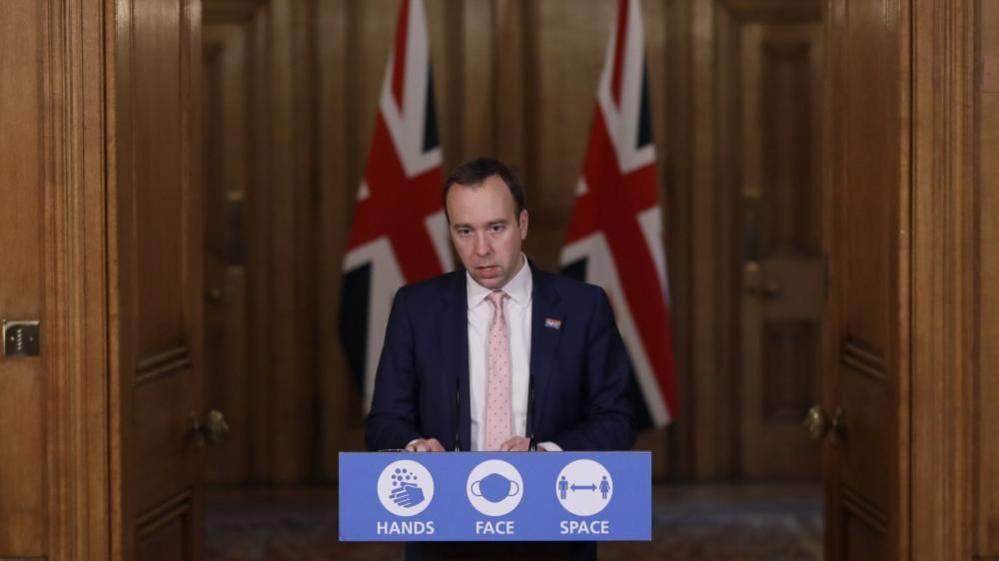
pixel 496 496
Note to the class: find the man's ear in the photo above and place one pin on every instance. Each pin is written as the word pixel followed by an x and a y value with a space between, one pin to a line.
pixel 523 223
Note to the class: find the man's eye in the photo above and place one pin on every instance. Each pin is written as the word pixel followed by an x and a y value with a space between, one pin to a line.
pixel 498 227
pixel 464 231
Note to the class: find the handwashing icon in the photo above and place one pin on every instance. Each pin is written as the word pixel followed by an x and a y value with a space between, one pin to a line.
pixel 494 488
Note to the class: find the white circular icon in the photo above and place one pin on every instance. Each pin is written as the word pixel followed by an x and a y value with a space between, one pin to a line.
pixel 584 487
pixel 405 488
pixel 494 487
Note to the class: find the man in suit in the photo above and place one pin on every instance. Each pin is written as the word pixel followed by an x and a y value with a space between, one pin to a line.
pixel 499 355
pixel 569 374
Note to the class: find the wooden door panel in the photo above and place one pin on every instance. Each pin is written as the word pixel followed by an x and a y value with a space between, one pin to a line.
pixel 226 152
pixel 159 261
pixel 787 346
pixel 865 537
pixel 163 388
pixel 165 533
pixel 868 446
pixel 868 331
pixel 868 192
pixel 163 409
pixel 159 171
pixel 783 274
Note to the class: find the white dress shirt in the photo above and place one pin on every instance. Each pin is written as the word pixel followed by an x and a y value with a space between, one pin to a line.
pixel 517 311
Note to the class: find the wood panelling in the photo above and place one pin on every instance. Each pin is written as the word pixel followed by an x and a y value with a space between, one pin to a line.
pixel 787 346
pixel 340 415
pixel 75 316
pixel 866 536
pixel 227 147
pixel 789 67
pixel 776 194
pixel 560 101
pixel 157 152
pixel 259 225
pixel 292 333
pixel 866 220
pixel 22 413
pixel 162 415
pixel 715 163
pixel 677 168
pixel 863 361
pixel 165 532
pixel 945 249
pixel 986 391
pixel 22 511
pixel 775 11
pixel 162 364
pixel 215 12
pixel 155 264
pixel 262 312
pixel 867 189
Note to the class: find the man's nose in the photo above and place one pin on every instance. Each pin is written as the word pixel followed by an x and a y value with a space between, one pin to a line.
pixel 482 245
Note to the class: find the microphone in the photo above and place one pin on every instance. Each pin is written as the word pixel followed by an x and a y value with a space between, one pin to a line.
pixel 457 418
pixel 533 446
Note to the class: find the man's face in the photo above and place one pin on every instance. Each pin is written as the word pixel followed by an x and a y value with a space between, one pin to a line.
pixel 486 231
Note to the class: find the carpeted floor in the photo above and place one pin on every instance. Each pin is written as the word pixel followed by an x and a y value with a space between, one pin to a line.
pixel 690 523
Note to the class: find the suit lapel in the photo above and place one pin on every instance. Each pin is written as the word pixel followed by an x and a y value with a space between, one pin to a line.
pixel 546 325
pixel 454 334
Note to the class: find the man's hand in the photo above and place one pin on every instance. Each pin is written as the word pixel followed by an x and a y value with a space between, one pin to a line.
pixel 425 445
pixel 518 444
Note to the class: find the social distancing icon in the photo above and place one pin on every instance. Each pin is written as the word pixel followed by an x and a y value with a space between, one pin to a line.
pixel 584 487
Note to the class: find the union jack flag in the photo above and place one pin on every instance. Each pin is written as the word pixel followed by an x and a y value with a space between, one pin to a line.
pixel 615 231
pixel 399 234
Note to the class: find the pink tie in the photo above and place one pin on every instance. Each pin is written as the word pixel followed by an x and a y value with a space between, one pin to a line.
pixel 499 414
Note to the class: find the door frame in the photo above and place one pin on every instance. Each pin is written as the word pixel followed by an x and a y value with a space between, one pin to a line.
pixel 943 271
pixel 81 448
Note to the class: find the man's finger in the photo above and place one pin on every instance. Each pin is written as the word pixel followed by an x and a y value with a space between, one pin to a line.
pixel 514 444
pixel 425 445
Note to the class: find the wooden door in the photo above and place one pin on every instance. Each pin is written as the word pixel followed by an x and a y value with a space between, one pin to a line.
pixel 868 329
pixel 224 172
pixel 156 288
pixel 783 267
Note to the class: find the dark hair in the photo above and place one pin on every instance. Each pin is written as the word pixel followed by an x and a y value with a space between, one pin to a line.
pixel 474 172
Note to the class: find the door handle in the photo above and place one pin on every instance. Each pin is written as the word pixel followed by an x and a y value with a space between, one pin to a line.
pixel 819 423
pixel 212 432
pixel 757 285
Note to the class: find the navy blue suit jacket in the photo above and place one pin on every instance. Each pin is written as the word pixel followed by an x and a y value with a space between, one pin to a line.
pixel 580 371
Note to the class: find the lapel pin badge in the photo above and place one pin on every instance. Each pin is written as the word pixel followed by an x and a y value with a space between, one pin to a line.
pixel 551 323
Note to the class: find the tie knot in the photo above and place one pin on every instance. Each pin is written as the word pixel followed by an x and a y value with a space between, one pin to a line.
pixel 496 297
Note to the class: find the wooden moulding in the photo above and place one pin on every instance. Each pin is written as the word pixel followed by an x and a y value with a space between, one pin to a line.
pixel 75 287
pixel 944 268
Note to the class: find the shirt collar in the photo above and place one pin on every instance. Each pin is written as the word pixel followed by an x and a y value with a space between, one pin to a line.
pixel 518 288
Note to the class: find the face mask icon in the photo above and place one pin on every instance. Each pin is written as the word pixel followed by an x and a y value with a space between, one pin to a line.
pixel 494 488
